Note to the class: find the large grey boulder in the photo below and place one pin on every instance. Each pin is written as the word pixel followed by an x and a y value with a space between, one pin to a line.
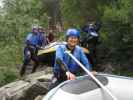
pixel 28 88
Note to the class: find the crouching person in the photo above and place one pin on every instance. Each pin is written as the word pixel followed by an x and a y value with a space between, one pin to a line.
pixel 65 67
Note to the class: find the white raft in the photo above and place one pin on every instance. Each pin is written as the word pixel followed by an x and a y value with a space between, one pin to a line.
pixel 84 88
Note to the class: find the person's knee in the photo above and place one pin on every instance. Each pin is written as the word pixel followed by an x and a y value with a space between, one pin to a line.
pixel 28 54
pixel 26 60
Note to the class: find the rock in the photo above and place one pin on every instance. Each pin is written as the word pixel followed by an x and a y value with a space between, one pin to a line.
pixel 27 89
pixel 107 68
pixel 40 97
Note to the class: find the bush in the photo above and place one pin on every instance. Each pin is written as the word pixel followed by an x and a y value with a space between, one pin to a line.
pixel 7 76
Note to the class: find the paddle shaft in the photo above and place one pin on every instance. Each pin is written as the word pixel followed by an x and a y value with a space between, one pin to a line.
pixel 91 75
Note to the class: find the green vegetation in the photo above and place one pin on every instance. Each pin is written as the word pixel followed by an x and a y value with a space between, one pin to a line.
pixel 116 35
pixel 7 76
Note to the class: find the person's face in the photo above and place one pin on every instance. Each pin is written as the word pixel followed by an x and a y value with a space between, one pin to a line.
pixel 72 41
pixel 40 30
pixel 35 31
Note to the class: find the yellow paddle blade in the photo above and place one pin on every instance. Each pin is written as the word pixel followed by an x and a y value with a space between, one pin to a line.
pixel 53 49
pixel 49 50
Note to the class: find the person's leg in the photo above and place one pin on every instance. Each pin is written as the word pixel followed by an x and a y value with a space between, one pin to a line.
pixel 27 57
pixel 36 63
pixel 35 59
pixel 93 53
pixel 57 80
pixel 23 68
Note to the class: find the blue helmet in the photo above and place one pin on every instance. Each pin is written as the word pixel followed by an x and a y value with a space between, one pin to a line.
pixel 34 27
pixel 72 32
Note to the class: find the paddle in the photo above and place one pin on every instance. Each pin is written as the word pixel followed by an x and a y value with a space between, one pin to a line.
pixel 91 75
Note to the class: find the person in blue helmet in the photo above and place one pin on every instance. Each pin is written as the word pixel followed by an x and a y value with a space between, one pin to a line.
pixel 42 37
pixel 65 67
pixel 30 51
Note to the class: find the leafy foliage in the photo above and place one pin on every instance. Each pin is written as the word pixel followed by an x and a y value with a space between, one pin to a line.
pixel 15 23
pixel 118 27
pixel 7 76
pixel 77 12
pixel 19 17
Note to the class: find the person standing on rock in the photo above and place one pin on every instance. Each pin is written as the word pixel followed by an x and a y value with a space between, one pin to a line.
pixel 65 67
pixel 31 49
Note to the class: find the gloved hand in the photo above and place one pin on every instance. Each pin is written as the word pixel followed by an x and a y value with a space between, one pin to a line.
pixel 39 47
pixel 70 76
pixel 94 72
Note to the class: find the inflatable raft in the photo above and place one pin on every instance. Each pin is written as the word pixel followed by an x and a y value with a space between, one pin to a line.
pixel 84 88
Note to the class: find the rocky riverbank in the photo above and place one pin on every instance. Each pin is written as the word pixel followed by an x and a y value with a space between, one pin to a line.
pixel 28 88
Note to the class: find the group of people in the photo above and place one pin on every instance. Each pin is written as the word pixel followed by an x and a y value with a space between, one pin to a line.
pixel 35 41
pixel 65 68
